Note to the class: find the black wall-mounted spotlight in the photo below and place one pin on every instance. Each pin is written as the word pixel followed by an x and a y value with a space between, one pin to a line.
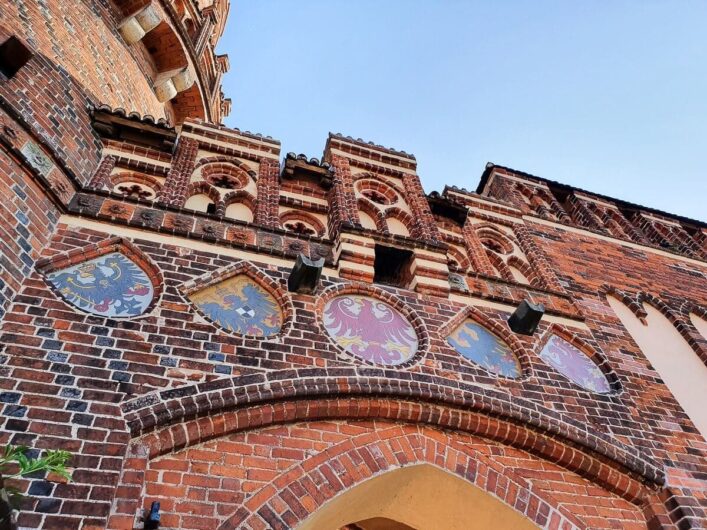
pixel 526 317
pixel 305 275
pixel 152 521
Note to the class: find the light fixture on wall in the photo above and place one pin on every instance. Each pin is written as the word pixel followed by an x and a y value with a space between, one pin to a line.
pixel 526 317
pixel 152 520
pixel 305 275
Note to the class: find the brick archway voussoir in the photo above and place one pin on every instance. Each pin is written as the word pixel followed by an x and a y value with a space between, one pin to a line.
pixel 305 488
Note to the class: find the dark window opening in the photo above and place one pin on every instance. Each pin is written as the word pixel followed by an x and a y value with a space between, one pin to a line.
pixel 393 266
pixel 211 208
pixel 13 56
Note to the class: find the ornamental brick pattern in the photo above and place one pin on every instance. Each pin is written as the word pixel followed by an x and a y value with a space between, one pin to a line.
pixel 229 430
pixel 175 190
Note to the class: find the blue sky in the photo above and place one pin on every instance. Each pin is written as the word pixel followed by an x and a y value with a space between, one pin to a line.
pixel 610 96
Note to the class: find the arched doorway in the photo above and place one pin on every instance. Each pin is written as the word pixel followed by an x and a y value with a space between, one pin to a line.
pixel 419 497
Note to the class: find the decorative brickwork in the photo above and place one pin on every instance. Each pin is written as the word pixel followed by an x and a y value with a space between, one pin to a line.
pixel 175 190
pixel 266 213
pixel 237 404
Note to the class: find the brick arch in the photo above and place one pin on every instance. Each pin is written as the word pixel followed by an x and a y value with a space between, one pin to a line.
pixel 457 251
pixel 498 262
pixel 625 298
pixel 374 182
pixel 366 206
pixel 503 332
pixel 487 230
pixel 295 216
pixel 237 177
pixel 239 196
pixel 227 160
pixel 133 176
pixel 679 321
pixel 405 218
pixel 533 277
pixel 388 193
pixel 380 452
pixel 167 420
pixel 593 352
pixel 198 188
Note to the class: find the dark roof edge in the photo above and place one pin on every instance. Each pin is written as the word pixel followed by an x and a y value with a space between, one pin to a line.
pixel 619 202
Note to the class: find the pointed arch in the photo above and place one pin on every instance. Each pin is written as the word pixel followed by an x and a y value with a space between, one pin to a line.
pixel 665 347
pixel 530 275
pixel 592 352
pixel 521 353
pixel 132 291
pixel 458 253
pixel 216 294
pixel 477 501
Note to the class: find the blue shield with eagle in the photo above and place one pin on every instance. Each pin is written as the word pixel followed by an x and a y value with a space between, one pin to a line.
pixel 111 285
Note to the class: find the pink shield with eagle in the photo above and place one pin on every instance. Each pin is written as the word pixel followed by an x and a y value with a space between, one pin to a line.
pixel 370 329
pixel 574 364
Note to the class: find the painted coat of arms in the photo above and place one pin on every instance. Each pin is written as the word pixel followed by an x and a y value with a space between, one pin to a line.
pixel 477 344
pixel 370 329
pixel 574 365
pixel 241 306
pixel 110 285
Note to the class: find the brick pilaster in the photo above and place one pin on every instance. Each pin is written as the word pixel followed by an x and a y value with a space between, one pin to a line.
pixel 424 222
pixel 101 178
pixel 477 254
pixel 174 191
pixel 342 197
pixel 267 201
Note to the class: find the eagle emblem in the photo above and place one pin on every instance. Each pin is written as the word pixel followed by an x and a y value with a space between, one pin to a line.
pixel 241 306
pixel 370 329
pixel 110 285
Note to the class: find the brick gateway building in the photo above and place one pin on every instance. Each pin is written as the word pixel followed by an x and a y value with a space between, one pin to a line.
pixel 148 326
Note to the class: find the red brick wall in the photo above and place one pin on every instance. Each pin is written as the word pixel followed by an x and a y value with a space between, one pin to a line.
pixel 67 374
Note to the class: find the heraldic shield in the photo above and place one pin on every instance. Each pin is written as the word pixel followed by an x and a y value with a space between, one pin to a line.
pixel 111 285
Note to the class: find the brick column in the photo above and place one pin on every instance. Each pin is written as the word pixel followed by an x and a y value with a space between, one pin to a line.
pixel 424 222
pixel 343 209
pixel 268 200
pixel 537 259
pixel 174 190
pixel 476 251
pixel 101 178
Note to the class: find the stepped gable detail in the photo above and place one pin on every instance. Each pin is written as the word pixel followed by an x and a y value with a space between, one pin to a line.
pixel 146 324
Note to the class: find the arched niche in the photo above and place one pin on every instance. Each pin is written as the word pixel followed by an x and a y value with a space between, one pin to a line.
pixel 422 497
pixel 518 275
pixel 700 324
pixel 367 221
pixel 200 203
pixel 676 362
pixel 239 211
pixel 396 226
